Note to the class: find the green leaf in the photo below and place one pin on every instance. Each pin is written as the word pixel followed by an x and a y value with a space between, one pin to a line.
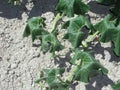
pixel 117 43
pixel 88 67
pixel 65 25
pixel 116 86
pixel 107 29
pixel 71 7
pixel 109 32
pixel 74 34
pixel 80 7
pixel 50 41
pixel 52 77
pixel 35 27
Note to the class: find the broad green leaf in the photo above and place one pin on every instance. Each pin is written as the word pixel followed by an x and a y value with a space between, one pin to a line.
pixel 52 77
pixel 117 43
pixel 116 86
pixel 34 27
pixel 107 29
pixel 65 25
pixel 88 68
pixel 74 34
pixel 75 57
pixel 80 7
pixel 50 42
pixel 71 7
pixel 109 32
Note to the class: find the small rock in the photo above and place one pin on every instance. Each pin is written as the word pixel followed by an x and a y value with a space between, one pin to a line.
pixel 6 72
pixel 12 72
pixel 13 66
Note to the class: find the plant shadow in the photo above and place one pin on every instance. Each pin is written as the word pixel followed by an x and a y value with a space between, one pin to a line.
pixel 10 11
pixel 104 51
pixel 101 9
pixel 98 82
pixel 42 6
pixel 62 61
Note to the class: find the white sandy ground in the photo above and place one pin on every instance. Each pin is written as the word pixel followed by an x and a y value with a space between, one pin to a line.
pixel 20 61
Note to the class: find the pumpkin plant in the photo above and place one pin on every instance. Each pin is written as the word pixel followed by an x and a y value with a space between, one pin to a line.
pixel 85 66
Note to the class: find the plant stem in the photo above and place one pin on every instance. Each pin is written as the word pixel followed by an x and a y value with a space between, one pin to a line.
pixel 85 45
pixel 57 18
pixel 73 72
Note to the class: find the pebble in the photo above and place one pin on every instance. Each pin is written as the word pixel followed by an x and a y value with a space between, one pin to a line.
pixel 11 72
pixel 14 66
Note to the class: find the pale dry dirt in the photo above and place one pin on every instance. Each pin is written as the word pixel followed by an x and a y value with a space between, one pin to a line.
pixel 20 60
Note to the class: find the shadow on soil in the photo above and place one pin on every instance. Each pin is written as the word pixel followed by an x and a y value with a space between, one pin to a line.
pixel 62 62
pixel 40 6
pixel 98 82
pixel 98 8
pixel 98 49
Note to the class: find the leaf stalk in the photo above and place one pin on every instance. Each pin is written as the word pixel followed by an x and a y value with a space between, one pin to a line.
pixel 85 45
pixel 73 72
pixel 56 19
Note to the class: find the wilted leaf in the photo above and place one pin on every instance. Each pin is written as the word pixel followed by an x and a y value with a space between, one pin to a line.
pixel 34 27
pixel 52 76
pixel 74 34
pixel 116 86
pixel 109 32
pixel 107 29
pixel 117 43
pixel 71 7
pixel 88 68
pixel 50 41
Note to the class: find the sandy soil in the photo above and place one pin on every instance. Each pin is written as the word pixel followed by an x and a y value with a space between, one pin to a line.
pixel 20 61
